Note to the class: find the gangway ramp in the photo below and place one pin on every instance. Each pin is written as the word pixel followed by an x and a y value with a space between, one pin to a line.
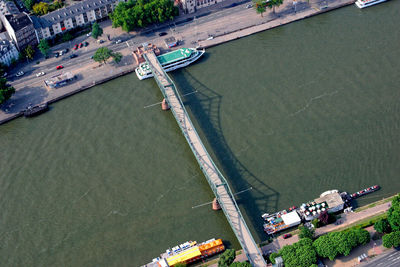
pixel 214 177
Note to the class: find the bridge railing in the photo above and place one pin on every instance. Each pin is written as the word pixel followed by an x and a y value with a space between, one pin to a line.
pixel 187 124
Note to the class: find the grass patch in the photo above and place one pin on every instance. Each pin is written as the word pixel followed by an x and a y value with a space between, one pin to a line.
pixel 364 223
pixel 382 201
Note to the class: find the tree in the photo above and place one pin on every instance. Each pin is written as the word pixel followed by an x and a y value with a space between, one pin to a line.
pixel 260 6
pixel 394 214
pixel 324 217
pixel 227 258
pixel 382 226
pixel 138 14
pixel 273 256
pixel 117 56
pixel 300 254
pixel 44 47
pixel 41 8
pixel 391 240
pixel 96 30
pixel 325 247
pixel 67 37
pixel 306 232
pixel 102 54
pixel 6 90
pixel 274 3
pixel 29 3
pixel 29 52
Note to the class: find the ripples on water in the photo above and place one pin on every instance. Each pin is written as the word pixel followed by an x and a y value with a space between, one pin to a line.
pixel 101 181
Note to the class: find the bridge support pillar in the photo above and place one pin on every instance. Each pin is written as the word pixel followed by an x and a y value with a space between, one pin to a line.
pixel 215 205
pixel 164 105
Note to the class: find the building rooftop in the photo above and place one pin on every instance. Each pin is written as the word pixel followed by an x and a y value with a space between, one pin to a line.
pixel 18 21
pixel 333 199
pixel 72 11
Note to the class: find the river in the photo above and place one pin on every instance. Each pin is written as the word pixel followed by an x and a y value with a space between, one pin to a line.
pixel 291 112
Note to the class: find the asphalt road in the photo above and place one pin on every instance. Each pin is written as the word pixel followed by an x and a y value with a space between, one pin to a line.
pixel 389 260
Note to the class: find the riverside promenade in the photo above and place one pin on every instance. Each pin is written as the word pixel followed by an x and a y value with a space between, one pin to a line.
pixel 214 177
pixel 222 28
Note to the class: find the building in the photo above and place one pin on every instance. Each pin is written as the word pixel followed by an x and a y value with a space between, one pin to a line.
pixel 330 201
pixel 191 6
pixel 281 221
pixel 8 51
pixel 20 28
pixel 59 80
pixel 170 42
pixel 67 18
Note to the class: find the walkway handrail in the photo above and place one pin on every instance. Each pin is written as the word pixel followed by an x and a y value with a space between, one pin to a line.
pixel 186 125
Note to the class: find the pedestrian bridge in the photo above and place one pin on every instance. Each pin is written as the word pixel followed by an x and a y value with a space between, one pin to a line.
pixel 214 177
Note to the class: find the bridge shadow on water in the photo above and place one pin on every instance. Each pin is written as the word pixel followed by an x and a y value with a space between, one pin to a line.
pixel 205 109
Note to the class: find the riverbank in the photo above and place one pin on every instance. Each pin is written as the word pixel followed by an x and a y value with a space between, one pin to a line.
pixel 367 212
pixel 28 93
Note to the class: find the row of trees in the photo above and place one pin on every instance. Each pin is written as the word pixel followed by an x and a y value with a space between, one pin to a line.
pixel 262 5
pixel 42 8
pixel 390 226
pixel 305 252
pixel 140 13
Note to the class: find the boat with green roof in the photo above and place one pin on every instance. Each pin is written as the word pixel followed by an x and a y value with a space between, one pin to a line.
pixel 171 61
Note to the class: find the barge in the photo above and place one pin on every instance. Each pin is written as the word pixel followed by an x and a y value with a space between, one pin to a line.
pixel 365 191
pixel 32 111
pixel 187 252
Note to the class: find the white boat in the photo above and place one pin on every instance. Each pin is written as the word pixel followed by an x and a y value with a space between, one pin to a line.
pixel 367 3
pixel 170 61
pixel 329 192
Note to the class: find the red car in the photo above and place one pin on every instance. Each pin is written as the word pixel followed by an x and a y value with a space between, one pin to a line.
pixel 75 47
pixel 59 67
pixel 286 236
pixel 80 45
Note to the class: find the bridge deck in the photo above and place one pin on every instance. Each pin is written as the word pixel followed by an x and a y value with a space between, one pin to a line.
pixel 215 178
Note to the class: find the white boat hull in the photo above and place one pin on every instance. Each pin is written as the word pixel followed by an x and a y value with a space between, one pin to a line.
pixel 364 4
pixel 173 67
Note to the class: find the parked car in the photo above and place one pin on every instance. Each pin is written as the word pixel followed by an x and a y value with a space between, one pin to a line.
pixel 59 67
pixel 40 74
pixel 5 74
pixel 286 236
pixel 85 44
pixel 73 56
pixel 75 47
pixel 249 6
pixel 89 34
pixel 100 41
pixel 56 55
pixel 118 41
pixel 20 73
pixel 162 34
pixel 80 45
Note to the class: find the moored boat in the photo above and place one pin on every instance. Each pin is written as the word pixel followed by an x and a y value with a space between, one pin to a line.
pixel 170 61
pixel 365 191
pixel 187 252
pixel 367 3
pixel 31 111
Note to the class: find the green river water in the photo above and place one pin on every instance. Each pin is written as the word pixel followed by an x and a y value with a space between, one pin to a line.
pixel 291 112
